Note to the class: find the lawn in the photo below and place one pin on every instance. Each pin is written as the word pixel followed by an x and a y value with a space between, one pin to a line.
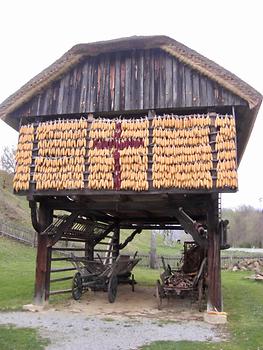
pixel 12 338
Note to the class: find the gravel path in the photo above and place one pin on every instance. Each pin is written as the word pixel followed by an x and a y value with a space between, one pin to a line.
pixel 69 331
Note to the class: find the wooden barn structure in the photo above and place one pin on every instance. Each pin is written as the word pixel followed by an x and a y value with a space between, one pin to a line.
pixel 138 133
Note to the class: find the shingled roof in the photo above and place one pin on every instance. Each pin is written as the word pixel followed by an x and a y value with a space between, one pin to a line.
pixel 78 52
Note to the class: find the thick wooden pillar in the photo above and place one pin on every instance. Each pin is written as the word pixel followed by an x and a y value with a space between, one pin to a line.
pixel 43 259
pixel 214 263
pixel 116 242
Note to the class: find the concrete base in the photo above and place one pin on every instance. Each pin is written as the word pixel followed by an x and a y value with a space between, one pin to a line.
pixel 34 308
pixel 214 317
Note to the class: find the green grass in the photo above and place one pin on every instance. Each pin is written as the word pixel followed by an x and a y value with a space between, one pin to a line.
pixel 244 305
pixel 17 275
pixel 12 338
pixel 14 210
pixel 141 243
pixel 145 276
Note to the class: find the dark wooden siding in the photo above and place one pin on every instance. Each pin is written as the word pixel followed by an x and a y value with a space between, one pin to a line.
pixel 134 80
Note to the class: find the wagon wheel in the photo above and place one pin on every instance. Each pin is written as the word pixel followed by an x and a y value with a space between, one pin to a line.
pixel 200 289
pixel 112 288
pixel 159 294
pixel 77 286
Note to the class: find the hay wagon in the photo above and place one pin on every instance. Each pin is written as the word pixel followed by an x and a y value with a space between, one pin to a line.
pixel 98 276
pixel 188 280
pixel 139 133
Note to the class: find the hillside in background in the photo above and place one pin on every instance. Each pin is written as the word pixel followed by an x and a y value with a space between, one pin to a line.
pixel 14 209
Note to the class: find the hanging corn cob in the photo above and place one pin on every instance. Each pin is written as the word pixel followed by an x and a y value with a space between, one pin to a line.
pixel 23 158
pixel 118 154
pixel 226 152
pixel 61 154
pixel 182 155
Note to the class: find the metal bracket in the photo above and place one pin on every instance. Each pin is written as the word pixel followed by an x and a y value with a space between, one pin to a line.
pixel 222 228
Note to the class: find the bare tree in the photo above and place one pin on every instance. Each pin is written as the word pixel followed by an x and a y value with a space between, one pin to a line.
pixel 7 160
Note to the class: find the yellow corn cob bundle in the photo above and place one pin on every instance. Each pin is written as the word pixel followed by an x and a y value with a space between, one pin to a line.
pixel 182 155
pixel 23 158
pixel 61 154
pixel 226 152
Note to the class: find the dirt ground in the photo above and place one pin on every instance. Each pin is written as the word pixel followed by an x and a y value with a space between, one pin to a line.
pixel 137 304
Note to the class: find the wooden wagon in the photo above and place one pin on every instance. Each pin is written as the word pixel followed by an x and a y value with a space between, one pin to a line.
pixel 97 276
pixel 189 280
pixel 136 133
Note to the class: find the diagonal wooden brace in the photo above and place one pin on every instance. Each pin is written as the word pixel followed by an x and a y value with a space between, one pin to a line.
pixel 60 230
pixel 192 227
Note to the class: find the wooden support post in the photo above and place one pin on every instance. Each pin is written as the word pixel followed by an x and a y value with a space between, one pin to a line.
pixel 89 250
pixel 116 242
pixel 43 259
pixel 214 266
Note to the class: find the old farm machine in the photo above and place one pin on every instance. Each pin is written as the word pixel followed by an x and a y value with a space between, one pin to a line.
pixel 135 133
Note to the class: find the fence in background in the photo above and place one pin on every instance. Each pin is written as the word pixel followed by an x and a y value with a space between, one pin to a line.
pixel 30 238
pixel 19 234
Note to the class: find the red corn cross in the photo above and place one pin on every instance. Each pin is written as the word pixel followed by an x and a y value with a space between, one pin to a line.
pixel 117 144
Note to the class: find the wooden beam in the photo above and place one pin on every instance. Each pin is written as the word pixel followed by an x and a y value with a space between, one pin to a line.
pixel 116 241
pixel 43 259
pixel 214 268
pixel 130 238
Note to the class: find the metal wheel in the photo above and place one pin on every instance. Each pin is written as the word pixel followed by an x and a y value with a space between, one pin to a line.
pixel 159 294
pixel 112 288
pixel 77 286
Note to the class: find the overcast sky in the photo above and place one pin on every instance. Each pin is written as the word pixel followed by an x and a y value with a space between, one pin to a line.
pixel 35 33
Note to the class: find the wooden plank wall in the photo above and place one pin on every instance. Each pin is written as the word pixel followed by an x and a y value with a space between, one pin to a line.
pixel 131 80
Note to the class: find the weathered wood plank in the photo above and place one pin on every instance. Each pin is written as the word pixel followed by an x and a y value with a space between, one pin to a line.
pixel 94 86
pixel 152 79
pixel 175 83
pixel 83 88
pixel 156 81
pixel 90 107
pixel 117 83
pixel 181 85
pixel 203 91
pixel 65 94
pixel 112 83
pixel 128 63
pixel 106 98
pixel 123 83
pixel 195 87
pixel 168 81
pixel 133 80
pixel 188 86
pixel 146 80
pixel 140 80
pixel 210 93
pixel 77 82
pixel 161 101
